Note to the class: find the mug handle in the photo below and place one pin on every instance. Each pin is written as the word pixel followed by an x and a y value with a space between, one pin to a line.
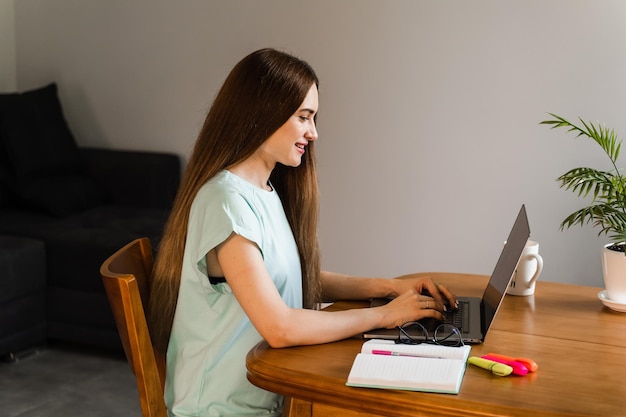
pixel 539 260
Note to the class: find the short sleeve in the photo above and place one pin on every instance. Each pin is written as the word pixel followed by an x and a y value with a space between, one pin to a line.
pixel 216 214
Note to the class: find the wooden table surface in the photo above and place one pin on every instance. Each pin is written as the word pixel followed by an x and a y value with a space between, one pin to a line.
pixel 579 345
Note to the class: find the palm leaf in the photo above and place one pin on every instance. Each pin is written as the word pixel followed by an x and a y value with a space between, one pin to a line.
pixel 608 188
pixel 606 216
pixel 584 180
pixel 606 138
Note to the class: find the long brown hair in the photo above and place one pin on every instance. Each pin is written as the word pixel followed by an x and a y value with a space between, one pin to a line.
pixel 259 95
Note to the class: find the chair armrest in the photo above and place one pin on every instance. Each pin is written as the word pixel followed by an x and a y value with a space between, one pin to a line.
pixel 134 178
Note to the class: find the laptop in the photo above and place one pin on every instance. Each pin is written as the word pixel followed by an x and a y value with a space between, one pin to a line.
pixel 475 315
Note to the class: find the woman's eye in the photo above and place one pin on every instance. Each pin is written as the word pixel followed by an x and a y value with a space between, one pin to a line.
pixel 304 118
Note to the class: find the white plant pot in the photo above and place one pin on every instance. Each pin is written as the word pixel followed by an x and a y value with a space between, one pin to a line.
pixel 614 271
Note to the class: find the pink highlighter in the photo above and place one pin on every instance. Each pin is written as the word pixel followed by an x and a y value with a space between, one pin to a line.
pixel 518 367
pixel 528 363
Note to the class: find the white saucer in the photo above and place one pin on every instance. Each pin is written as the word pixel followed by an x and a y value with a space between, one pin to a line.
pixel 613 305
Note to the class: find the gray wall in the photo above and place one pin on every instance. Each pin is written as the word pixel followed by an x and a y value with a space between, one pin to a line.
pixel 7 46
pixel 429 117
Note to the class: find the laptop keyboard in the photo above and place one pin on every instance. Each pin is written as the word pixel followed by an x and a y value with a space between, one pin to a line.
pixel 459 318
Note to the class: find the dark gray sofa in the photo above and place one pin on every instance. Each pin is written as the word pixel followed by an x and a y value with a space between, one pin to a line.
pixel 63 211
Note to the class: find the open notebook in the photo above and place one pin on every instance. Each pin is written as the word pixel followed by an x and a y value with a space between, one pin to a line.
pixel 426 367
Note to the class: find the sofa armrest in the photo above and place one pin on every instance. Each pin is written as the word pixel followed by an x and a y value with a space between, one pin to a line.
pixel 143 179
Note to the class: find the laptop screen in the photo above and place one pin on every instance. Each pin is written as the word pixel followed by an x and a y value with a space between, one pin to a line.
pixel 503 272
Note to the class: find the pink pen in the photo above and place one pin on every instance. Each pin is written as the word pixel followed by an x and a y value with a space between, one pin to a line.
pixel 414 355
pixel 518 368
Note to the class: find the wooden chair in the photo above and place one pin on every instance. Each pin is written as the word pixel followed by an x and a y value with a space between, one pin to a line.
pixel 126 278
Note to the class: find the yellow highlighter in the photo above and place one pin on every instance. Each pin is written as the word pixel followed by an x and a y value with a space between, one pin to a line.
pixel 496 368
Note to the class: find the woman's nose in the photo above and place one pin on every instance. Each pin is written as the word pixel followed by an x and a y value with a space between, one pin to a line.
pixel 312 133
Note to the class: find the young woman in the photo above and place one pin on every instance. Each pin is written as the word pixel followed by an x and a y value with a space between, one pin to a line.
pixel 239 259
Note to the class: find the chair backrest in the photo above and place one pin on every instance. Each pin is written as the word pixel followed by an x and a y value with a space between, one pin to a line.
pixel 126 277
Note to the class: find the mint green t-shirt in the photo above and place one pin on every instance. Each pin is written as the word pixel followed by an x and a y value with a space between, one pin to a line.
pixel 211 335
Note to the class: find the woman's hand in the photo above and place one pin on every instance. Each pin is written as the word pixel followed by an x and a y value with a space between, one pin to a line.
pixel 409 306
pixel 418 297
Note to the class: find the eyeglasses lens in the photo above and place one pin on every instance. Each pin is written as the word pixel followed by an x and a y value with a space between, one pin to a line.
pixel 448 335
pixel 415 333
pixel 412 333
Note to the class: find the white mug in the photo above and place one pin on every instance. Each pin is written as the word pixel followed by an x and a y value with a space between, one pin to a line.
pixel 528 269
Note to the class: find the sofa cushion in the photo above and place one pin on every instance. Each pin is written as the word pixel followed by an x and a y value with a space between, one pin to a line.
pixel 6 178
pixel 19 221
pixel 77 245
pixel 23 262
pixel 43 154
pixel 35 135
pixel 22 294
pixel 5 193
pixel 63 195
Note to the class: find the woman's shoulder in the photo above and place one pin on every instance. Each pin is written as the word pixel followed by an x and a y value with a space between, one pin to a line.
pixel 226 183
pixel 225 190
pixel 223 183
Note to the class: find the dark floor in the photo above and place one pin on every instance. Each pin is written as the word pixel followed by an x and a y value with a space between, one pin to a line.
pixel 64 380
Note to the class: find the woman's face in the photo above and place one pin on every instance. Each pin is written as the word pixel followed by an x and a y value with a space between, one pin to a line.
pixel 288 143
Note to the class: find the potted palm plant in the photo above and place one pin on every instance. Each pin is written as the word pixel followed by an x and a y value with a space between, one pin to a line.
pixel 607 210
